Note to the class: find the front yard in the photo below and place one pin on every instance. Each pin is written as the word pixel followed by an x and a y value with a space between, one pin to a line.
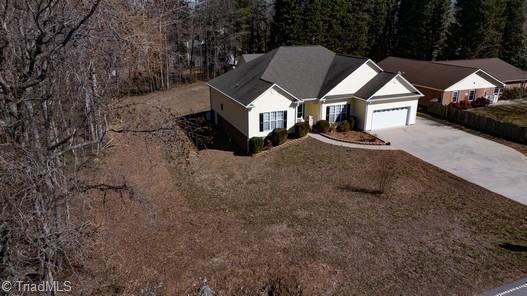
pixel 357 222
pixel 513 112
pixel 309 218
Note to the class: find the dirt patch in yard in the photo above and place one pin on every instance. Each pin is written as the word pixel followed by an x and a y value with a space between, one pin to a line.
pixel 301 218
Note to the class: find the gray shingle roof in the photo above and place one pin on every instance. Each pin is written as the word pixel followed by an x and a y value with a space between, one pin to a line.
pixel 244 84
pixel 300 69
pixel 370 88
pixel 304 71
pixel 340 68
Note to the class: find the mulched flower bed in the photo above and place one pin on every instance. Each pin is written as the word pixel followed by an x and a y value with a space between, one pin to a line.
pixel 355 137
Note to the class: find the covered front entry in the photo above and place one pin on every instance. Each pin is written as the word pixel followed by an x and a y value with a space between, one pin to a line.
pixel 393 117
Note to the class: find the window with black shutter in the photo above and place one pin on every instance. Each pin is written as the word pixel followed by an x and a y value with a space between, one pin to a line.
pixel 337 113
pixel 271 120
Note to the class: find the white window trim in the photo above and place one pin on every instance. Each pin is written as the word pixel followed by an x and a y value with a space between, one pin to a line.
pixel 469 92
pixel 273 114
pixel 455 96
pixel 343 110
pixel 303 107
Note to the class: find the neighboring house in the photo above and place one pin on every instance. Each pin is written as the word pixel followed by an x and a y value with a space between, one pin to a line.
pixel 505 72
pixel 445 83
pixel 309 83
pixel 245 58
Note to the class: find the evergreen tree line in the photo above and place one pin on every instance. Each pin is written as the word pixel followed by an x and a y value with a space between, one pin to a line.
pixel 420 29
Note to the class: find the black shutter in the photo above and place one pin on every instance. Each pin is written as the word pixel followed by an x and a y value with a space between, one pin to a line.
pixel 348 111
pixel 327 113
pixel 285 119
pixel 261 122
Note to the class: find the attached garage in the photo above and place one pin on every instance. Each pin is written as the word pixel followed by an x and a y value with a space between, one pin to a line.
pixel 391 113
pixel 392 117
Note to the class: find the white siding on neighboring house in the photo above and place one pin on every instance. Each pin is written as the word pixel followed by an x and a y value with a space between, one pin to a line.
pixel 355 80
pixel 233 112
pixel 473 81
pixel 379 105
pixel 274 99
pixel 394 87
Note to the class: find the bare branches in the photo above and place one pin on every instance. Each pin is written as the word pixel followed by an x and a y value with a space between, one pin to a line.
pixel 42 121
pixel 153 130
pixel 106 188
pixel 80 23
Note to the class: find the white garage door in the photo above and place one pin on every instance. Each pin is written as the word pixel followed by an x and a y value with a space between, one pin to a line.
pixel 389 118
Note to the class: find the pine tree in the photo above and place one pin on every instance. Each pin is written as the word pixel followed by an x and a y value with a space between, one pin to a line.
pixel 513 47
pixel 333 13
pixel 242 22
pixel 313 22
pixel 260 28
pixel 354 27
pixel 436 28
pixel 380 28
pixel 345 24
pixel 412 16
pixel 421 27
pixel 286 27
pixel 476 32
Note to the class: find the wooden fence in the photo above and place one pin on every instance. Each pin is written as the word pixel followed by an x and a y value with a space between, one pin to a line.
pixel 474 121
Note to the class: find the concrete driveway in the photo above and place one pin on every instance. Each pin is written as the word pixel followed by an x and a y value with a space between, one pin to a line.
pixel 488 164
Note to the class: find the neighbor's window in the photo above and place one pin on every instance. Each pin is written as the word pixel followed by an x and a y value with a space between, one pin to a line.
pixel 455 96
pixel 472 95
pixel 300 111
pixel 271 120
pixel 337 113
pixel 497 90
pixel 221 107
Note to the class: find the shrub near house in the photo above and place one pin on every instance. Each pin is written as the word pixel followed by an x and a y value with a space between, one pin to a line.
pixel 512 94
pixel 301 129
pixel 278 136
pixel 256 144
pixel 322 126
pixel 344 126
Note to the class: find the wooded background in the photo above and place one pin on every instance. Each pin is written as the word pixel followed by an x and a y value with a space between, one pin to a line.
pixel 63 63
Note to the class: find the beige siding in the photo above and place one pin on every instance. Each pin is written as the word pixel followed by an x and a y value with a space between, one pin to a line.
pixel 355 80
pixel 233 112
pixel 358 109
pixel 274 99
pixel 312 109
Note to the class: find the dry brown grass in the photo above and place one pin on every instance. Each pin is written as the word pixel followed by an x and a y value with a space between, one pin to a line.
pixel 293 221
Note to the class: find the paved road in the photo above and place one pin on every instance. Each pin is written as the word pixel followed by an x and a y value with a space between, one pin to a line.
pixel 518 288
pixel 493 166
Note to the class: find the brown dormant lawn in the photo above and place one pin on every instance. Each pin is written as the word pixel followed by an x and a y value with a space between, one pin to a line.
pixel 310 218
pixel 514 113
